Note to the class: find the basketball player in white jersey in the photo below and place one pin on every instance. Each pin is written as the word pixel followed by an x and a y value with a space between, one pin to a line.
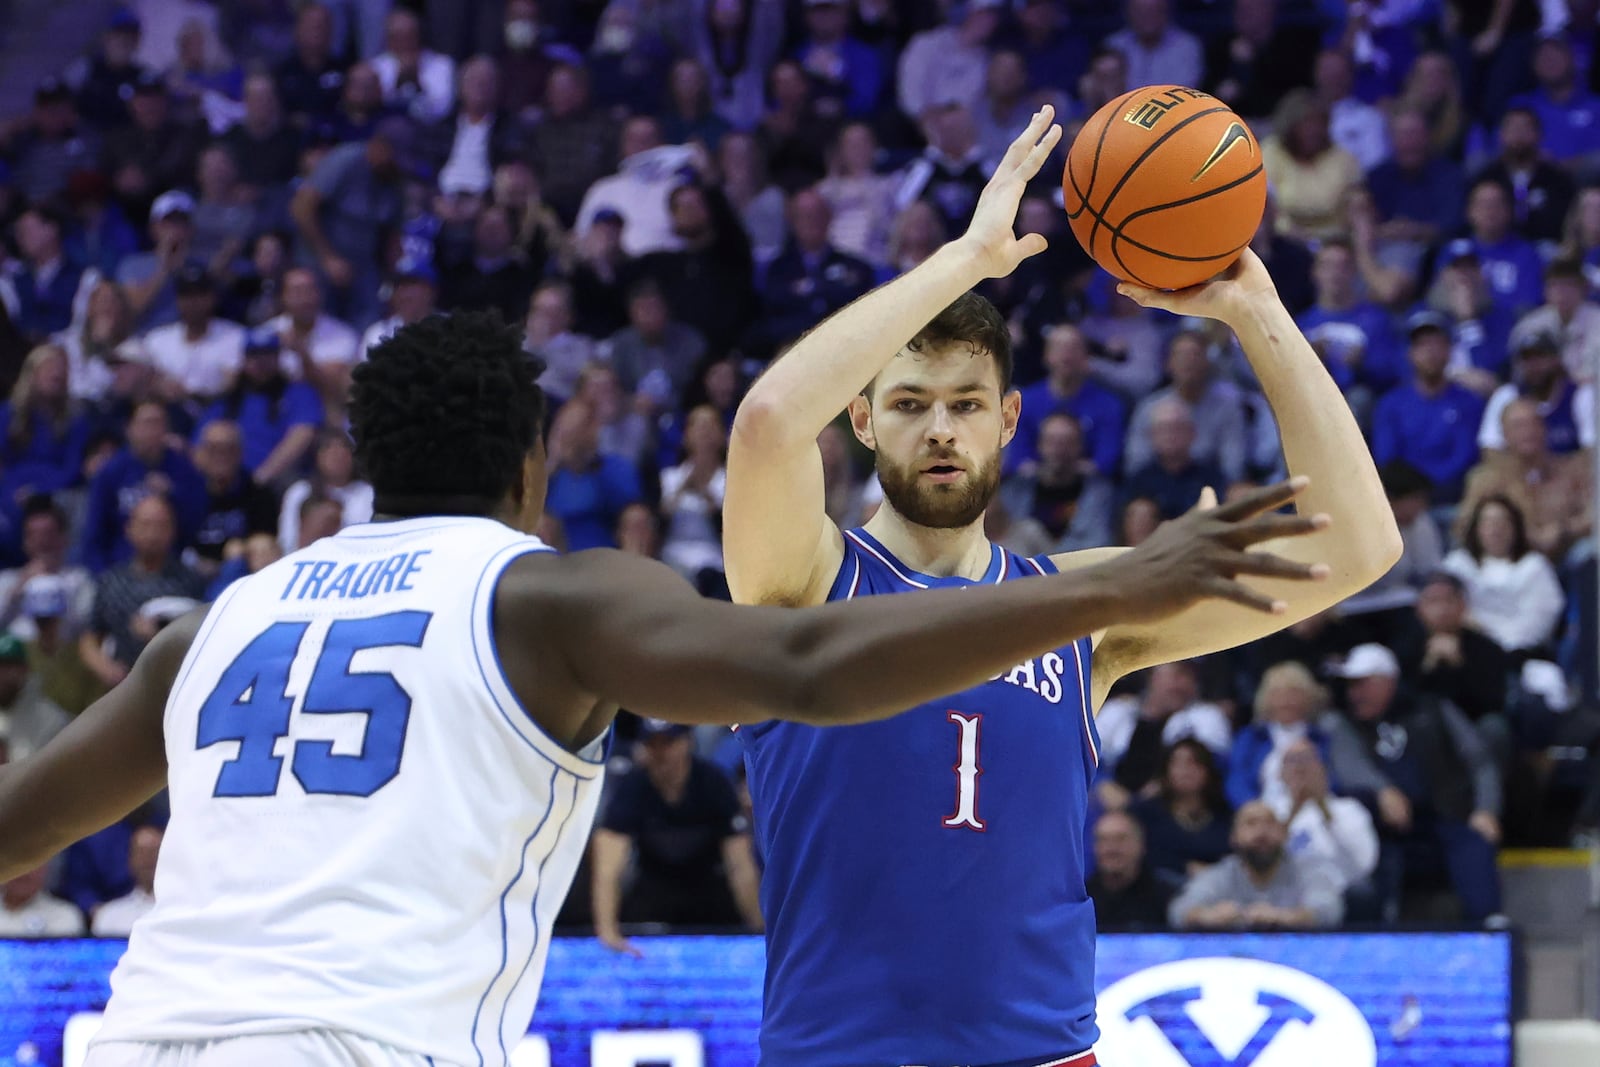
pixel 384 751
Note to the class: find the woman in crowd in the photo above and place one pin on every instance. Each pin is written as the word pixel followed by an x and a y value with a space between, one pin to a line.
pixel 862 199
pixel 1512 590
pixel 334 477
pixel 44 430
pixel 1311 175
pixel 691 498
pixel 1187 823
pixel 98 347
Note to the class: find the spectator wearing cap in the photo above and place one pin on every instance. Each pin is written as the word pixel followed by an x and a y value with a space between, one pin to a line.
pixel 146 465
pixel 317 348
pixel 949 63
pixel 225 212
pixel 413 296
pixel 1261 884
pixel 55 612
pixel 588 488
pixel 46 585
pixel 1480 323
pixel 277 417
pixel 1260 60
pixel 809 280
pixel 28 718
pixel 332 479
pixel 708 282
pixel 44 429
pixel 498 274
pixel 1355 337
pixel 198 355
pixel 1384 605
pixel 1536 192
pixel 415 79
pixel 101 235
pixel 1569 114
pixel 51 144
pixel 1158 51
pixel 1512 589
pixel 135 599
pixel 1418 192
pixel 1565 316
pixel 468 143
pixel 951 172
pixel 1127 894
pixel 1068 388
pixel 237 506
pixel 1430 422
pixel 1540 376
pixel 44 292
pixel 147 277
pixel 104 80
pixel 154 151
pixel 115 918
pixel 264 146
pixel 1441 806
pixel 845 67
pixel 1441 654
pixel 311 79
pixel 27 911
pixel 675 820
pixel 346 211
pixel 599 272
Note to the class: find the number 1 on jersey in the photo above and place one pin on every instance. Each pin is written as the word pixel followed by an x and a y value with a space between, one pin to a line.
pixel 968 771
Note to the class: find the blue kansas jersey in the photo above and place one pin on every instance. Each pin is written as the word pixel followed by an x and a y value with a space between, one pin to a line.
pixel 924 888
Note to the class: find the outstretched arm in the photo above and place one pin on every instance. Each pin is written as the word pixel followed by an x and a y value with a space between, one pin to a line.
pixel 778 544
pixel 1321 441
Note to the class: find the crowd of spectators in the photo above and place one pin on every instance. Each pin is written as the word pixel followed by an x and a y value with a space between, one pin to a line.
pixel 212 214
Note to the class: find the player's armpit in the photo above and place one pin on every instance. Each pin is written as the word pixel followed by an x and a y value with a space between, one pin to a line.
pixel 107 762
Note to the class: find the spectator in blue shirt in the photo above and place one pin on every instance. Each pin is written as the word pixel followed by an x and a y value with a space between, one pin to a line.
pixel 1430 422
pixel 1353 336
pixel 43 429
pixel 1417 192
pixel 146 465
pixel 43 289
pixel 1480 325
pixel 1101 415
pixel 1569 113
pixel 1512 265
pixel 844 70
pixel 588 489
pixel 810 279
pixel 1173 479
pixel 1538 191
pixel 277 418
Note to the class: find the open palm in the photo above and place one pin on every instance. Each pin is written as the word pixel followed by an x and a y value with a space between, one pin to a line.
pixel 991 233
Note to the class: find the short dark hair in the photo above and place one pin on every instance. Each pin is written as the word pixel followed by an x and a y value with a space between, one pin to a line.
pixel 1519 527
pixel 1401 479
pixel 1564 267
pixel 444 412
pixel 974 321
pixel 44 504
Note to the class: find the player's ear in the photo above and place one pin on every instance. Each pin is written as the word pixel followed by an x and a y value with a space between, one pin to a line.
pixel 1010 412
pixel 861 421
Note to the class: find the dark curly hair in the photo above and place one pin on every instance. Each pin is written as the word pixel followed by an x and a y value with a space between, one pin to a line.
pixel 443 414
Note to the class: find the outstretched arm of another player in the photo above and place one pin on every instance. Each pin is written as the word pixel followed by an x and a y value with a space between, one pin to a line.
pixel 778 543
pixel 1321 441
pixel 106 763
pixel 604 627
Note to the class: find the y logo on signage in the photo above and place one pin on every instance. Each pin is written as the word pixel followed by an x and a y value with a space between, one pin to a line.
pixel 1224 1012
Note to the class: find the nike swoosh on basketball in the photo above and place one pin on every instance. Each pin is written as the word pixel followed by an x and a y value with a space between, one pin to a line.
pixel 1234 134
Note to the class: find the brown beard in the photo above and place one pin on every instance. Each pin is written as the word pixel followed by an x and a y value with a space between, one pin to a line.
pixel 938 507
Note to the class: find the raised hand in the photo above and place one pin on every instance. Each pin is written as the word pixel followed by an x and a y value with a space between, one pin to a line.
pixel 991 235
pixel 1224 298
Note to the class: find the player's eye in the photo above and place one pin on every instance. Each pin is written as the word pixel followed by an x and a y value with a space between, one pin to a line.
pixel 967 407
pixel 907 407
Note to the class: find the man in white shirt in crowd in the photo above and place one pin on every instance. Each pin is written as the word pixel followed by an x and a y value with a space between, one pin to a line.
pixel 1260 885
pixel 414 79
pixel 45 576
pixel 26 910
pixel 1323 828
pixel 199 354
pixel 115 918
pixel 317 348
pixel 413 295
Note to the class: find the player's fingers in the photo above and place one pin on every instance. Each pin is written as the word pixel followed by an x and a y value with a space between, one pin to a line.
pixel 1267 565
pixel 1208 499
pixel 1039 153
pixel 1271 526
pixel 1025 141
pixel 1032 244
pixel 1238 593
pixel 1146 297
pixel 1267 498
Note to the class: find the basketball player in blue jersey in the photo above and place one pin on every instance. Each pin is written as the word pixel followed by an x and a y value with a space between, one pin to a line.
pixel 924 889
pixel 384 752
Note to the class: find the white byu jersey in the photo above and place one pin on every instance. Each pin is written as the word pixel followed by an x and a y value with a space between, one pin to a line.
pixel 368 833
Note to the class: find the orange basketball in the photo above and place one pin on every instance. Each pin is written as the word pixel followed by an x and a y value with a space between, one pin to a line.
pixel 1164 186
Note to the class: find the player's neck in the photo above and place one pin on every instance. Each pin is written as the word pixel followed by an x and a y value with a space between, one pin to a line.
pixel 963 552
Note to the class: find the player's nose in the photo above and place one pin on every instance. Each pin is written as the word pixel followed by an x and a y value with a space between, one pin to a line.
pixel 941 424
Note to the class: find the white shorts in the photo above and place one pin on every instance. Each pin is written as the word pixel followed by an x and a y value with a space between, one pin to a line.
pixel 301 1048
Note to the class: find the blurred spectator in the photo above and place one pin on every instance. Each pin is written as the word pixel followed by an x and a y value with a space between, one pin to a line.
pixel 1568 112
pixel 1054 50
pixel 360 109
pixel 311 79
pixel 415 79
pixel 1127 895
pixel 1105 80
pixel 596 273
pixel 204 80
pixel 793 132
pixel 103 341
pixel 1538 192
pixel 737 42
pixel 413 296
pixel 861 199
pixel 1310 173
pixel 947 64
pixel 1433 89
pixel 1581 236
pixel 742 165
pixel 1512 589
pixel 708 283
pixel 276 417
pixel 115 918
pixel 1158 52
pixel 134 600
pixel 574 145
pixel 466 144
pixel 1139 518
pixel 1061 489
pixel 952 171
pixel 1499 40
pixel 1135 728
pixel 624 431
pixel 156 150
pixel 655 357
pixel 224 212
pixel 1479 322
pixel 319 517
pixel 1185 817
pixel 28 718
pixel 1571 321
pixel 1418 191
pixel 163 22
pixel 1068 389
pixel 1444 792
pixel 1261 884
pixel 1443 656
pixel 809 280
pixel 1006 106
pixel 44 429
pixel 588 489
pixel 237 506
pixel 639 531
pixel 497 276
pixel 526 55
pixel 318 349
pixel 26 910
pixel 1430 422
pixel 50 145
pixel 254 293
pixel 45 576
pixel 631 57
pixel 1215 409
pixel 345 211
pixel 918 232
pixel 43 292
pixel 104 79
pixel 198 355
pixel 1355 125
pixel 691 498
pixel 640 191
pixel 1288 259
pixel 535 229
pixel 1333 832
pixel 1259 61
pixel 1355 337
pixel 147 465
pixel 333 478
pixel 54 611
pixel 1172 478
pixel 1555 493
pixel 843 487
pixel 549 336
pixel 1386 603
pixel 845 68
pixel 146 278
pixel 675 819
pixel 1290 707
pixel 1126 347
pixel 687 115
pixel 100 236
